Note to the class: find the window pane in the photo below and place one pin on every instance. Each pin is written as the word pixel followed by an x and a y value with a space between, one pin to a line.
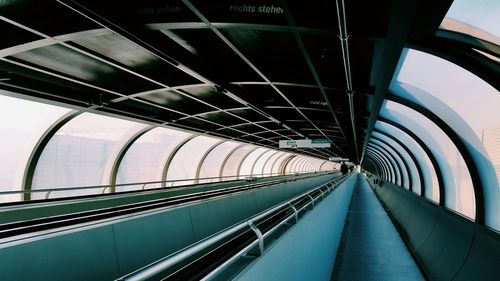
pixel 323 165
pixel 259 165
pixel 186 160
pixel 308 165
pixel 459 189
pixel 146 158
pixel 303 168
pixel 478 18
pixel 460 95
pixel 279 162
pixel 297 164
pixel 424 161
pixel 404 176
pixel 407 158
pixel 232 165
pixel 330 166
pixel 80 152
pixel 22 123
pixel 247 165
pixel 312 165
pixel 289 165
pixel 212 165
pixel 268 168
pixel 320 162
pixel 386 165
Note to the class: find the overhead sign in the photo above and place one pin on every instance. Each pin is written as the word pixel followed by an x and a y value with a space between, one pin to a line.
pixel 338 159
pixel 306 143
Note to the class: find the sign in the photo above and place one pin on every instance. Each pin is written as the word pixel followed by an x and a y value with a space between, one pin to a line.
pixel 338 159
pixel 307 143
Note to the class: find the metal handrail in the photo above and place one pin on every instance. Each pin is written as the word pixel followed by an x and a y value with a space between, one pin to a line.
pixel 144 184
pixel 165 263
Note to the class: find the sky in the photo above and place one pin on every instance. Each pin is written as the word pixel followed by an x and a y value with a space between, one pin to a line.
pixel 471 97
pixel 484 14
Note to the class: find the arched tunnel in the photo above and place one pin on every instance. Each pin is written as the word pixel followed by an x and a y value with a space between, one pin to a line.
pixel 250 140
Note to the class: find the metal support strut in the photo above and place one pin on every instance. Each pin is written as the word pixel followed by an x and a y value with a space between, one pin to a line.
pixel 259 236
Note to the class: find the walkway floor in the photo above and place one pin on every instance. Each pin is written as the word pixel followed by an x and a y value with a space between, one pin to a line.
pixel 371 248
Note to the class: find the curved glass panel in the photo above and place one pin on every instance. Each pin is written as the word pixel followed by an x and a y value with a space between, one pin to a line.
pixel 279 163
pixel 478 18
pixel 317 163
pixel 404 177
pixel 387 165
pixel 249 162
pixel 337 166
pixel 415 184
pixel 325 165
pixel 259 165
pixel 232 165
pixel 300 164
pixel 20 133
pixel 459 189
pixel 80 153
pixel 186 160
pixel 322 165
pixel 294 166
pixel 387 161
pixel 146 157
pixel 370 165
pixel 456 96
pixel 428 171
pixel 288 167
pixel 307 165
pixel 211 166
pixel 381 167
pixel 314 165
pixel 270 162
pixel 329 166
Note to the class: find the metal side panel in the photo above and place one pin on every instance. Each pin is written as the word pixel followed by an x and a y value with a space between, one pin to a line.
pixel 307 251
pixel 79 256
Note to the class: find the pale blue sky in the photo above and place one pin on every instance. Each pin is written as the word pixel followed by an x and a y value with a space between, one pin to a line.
pixel 484 14
pixel 471 97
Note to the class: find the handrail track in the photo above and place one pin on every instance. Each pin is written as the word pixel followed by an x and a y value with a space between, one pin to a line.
pixel 28 226
pixel 214 256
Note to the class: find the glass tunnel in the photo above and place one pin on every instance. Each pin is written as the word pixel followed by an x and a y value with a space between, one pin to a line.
pixel 437 132
pixel 114 101
pixel 94 153
pixel 432 109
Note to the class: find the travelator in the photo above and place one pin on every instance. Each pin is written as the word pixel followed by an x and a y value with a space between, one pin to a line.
pixel 106 237
pixel 277 229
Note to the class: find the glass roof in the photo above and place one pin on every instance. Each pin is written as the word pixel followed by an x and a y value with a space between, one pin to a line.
pixel 458 88
pixel 81 151
pixel 442 86
pixel 20 133
pixel 459 188
pixel 146 158
pixel 478 18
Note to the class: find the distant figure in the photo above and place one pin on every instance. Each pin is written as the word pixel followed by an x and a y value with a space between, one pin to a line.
pixel 343 168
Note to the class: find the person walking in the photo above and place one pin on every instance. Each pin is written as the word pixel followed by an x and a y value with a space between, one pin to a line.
pixel 343 168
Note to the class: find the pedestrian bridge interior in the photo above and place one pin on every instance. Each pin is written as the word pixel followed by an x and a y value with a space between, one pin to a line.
pixel 140 140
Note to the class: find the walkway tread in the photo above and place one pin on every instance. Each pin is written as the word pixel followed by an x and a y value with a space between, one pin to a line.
pixel 372 249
